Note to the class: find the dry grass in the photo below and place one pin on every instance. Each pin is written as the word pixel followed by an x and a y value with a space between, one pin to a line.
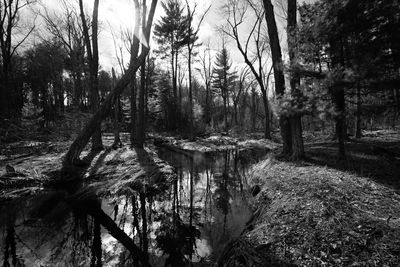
pixel 309 215
pixel 110 172
pixel 115 171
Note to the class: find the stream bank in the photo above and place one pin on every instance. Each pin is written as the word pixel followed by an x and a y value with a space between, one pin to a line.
pixel 309 215
pixel 306 214
pixel 130 206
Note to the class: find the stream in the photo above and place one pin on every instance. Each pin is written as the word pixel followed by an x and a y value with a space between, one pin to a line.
pixel 187 224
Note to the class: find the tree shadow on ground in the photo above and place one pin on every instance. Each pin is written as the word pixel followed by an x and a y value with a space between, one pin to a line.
pixel 375 160
pixel 74 173
pixel 99 161
pixel 151 168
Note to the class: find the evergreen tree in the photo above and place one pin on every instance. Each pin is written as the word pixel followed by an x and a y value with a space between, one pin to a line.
pixel 351 47
pixel 170 33
pixel 223 79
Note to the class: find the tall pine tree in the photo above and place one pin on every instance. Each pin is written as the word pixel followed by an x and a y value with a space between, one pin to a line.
pixel 170 33
pixel 223 79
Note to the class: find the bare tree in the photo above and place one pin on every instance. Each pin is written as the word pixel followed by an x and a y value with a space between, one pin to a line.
pixel 66 28
pixel 192 37
pixel 237 11
pixel 92 51
pixel 10 27
pixel 242 86
pixel 277 64
pixel 206 73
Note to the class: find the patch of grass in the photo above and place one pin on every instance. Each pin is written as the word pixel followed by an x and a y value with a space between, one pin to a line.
pixel 310 215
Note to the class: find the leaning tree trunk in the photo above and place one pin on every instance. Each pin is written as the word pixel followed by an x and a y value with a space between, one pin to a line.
pixel 278 72
pixel 76 148
pixel 295 120
pixel 72 156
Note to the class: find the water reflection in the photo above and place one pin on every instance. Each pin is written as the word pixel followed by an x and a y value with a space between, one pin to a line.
pixel 187 225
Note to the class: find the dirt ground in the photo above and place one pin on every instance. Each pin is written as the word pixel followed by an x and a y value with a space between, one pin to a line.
pixel 324 212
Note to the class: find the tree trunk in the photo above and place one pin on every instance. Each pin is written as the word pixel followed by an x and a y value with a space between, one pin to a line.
pixel 253 110
pixel 242 111
pixel 133 109
pixel 117 104
pixel 135 46
pixel 358 113
pixel 72 156
pixel 278 73
pixel 267 128
pixel 225 114
pixel 140 130
pixel 191 136
pixel 297 138
pixel 173 118
pixel 207 111
pixel 338 98
pixel 93 56
pixel 76 148
pixel 295 120
pixel 339 102
pixel 235 114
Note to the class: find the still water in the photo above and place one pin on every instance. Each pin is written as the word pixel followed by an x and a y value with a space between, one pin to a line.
pixel 186 224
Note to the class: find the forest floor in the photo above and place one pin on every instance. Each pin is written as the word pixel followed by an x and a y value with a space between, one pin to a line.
pixel 315 212
pixel 29 166
pixel 323 212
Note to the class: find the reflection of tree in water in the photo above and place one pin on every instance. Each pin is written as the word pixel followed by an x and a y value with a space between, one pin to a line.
pixel 66 226
pixel 55 229
pixel 10 249
pixel 176 239
pixel 96 245
pixel 222 194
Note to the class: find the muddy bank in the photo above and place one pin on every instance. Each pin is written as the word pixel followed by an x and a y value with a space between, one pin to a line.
pixel 308 215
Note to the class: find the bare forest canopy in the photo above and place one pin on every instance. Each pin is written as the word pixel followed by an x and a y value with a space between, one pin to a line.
pixel 193 68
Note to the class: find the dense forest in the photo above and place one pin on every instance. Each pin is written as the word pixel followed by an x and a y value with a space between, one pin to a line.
pixel 200 133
